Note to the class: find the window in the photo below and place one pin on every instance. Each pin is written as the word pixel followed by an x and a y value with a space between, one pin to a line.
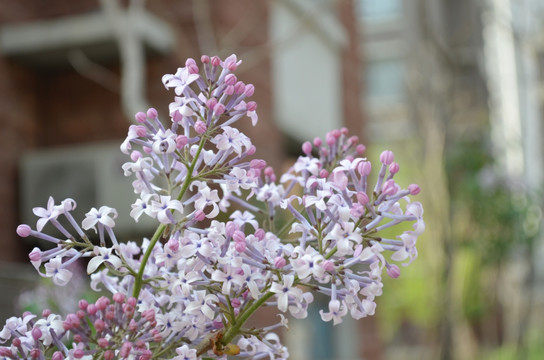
pixel 379 9
pixel 384 79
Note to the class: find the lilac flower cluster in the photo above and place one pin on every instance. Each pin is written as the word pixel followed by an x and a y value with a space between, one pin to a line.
pixel 186 292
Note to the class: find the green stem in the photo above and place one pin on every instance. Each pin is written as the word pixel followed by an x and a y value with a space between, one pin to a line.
pixel 139 277
pixel 160 230
pixel 233 330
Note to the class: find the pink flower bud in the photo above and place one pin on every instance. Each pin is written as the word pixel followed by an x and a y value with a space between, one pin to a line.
pixel 192 69
pixel 229 90
pixel 140 117
pixel 23 230
pixel 323 174
pixel 257 164
pixel 279 262
pixel 132 301
pixel 393 271
pixel 82 304
pixel 364 168
pixel 307 148
pixel 4 351
pixel 152 113
pixel 57 356
pixel 118 298
pixel 394 168
pixel 330 139
pixel 35 353
pixel 181 141
pixel 249 90
pixel 36 333
pixel 205 59
pixel 135 155
pixel 92 309
pixel 260 234
pixel 252 150
pixel 125 349
pixel 235 302
pixel 230 228
pixel 269 171
pixel 239 236
pixel 362 198
pixel 35 255
pixel 219 109
pixel 389 187
pixel 99 325
pixel 328 265
pixel 317 142
pixel 211 102
pixel 357 210
pixel 239 87
pixel 78 338
pixel 353 140
pixel 336 133
pixel 387 157
pixel 360 149
pixel 216 61
pixel 230 79
pixel 16 342
pixel 46 313
pixel 133 325
pixel 251 106
pixel 80 314
pixel 414 189
pixel 103 343
pixel 200 127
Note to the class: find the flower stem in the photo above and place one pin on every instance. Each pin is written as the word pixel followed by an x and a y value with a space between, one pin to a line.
pixel 160 230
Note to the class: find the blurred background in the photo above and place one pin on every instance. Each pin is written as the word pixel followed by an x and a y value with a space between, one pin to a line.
pixel 453 87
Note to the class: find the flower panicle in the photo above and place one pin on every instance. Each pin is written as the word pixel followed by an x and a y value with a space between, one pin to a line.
pixel 187 291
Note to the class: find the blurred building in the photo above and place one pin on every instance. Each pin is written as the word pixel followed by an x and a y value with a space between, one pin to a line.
pixel 74 72
pixel 440 73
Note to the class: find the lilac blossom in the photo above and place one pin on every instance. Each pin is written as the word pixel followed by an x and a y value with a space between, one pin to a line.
pixel 186 291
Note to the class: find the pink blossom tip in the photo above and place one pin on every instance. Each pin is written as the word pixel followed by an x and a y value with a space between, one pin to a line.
pixel 82 304
pixel 330 139
pixel 394 168
pixel 251 106
pixel 219 109
pixel 231 79
pixel 307 147
pixel 260 234
pixel 257 164
pixel 152 113
pixel 57 356
pixel 216 61
pixel 387 157
pixel 393 271
pixel 279 262
pixel 239 87
pixel 205 59
pixel 181 141
pixel 249 90
pixel 252 150
pixel 140 117
pixel 364 168
pixel 318 142
pixel 35 255
pixel 414 189
pixel 360 149
pixel 36 333
pixel 336 133
pixel 328 265
pixel 23 230
pixel 239 236
pixel 211 102
pixel 323 174
pixel 118 298
pixel 389 187
pixel 135 155
pixel 200 127
pixel 362 198
pixel 269 171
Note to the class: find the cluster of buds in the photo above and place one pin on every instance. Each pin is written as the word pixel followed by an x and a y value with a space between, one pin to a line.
pixel 187 291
